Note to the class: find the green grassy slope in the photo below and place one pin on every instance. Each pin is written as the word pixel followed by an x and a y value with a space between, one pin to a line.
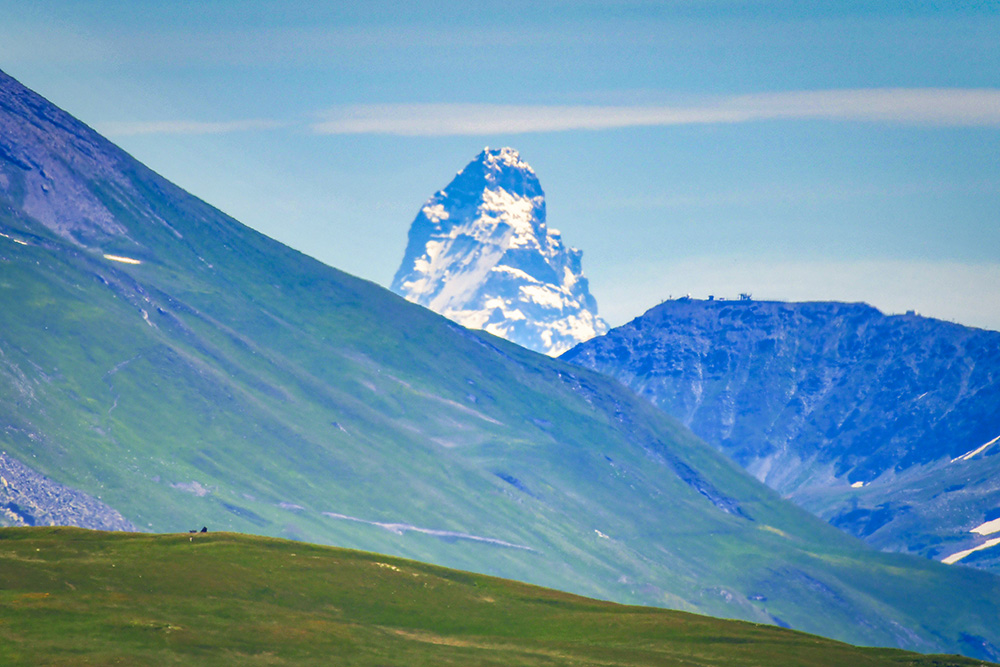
pixel 244 403
pixel 71 597
pixel 229 381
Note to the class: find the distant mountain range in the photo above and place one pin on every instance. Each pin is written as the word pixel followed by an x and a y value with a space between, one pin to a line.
pixel 887 426
pixel 177 369
pixel 480 253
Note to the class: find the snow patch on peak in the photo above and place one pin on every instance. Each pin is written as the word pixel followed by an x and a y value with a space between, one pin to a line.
pixel 505 157
pixel 480 253
pixel 435 213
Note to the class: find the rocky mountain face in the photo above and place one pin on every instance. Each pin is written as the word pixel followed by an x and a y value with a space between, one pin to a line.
pixel 886 426
pixel 30 499
pixel 480 253
pixel 170 363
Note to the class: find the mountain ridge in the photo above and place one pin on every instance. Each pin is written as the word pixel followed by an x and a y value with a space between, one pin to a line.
pixel 835 405
pixel 480 253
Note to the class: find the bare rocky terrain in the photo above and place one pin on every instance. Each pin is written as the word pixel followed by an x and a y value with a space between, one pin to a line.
pixel 884 425
pixel 28 498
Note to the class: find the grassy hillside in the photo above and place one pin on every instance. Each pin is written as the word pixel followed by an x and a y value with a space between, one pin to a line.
pixel 219 378
pixel 283 416
pixel 71 597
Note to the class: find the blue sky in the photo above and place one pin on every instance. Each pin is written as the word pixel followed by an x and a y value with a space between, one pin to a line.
pixel 795 150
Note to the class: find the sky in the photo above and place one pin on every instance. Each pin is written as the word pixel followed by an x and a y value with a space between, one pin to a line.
pixel 795 150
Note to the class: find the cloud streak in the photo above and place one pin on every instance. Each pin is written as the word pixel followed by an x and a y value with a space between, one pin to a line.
pixel 947 107
pixel 914 106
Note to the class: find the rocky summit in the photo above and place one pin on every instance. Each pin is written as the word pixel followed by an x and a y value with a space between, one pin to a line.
pixel 480 253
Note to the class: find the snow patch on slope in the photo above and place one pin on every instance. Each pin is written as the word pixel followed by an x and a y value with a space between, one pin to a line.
pixel 955 557
pixel 123 260
pixel 401 528
pixel 976 451
pixel 987 528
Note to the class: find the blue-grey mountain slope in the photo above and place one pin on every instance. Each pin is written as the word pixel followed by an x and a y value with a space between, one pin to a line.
pixel 887 426
pixel 481 254
pixel 184 370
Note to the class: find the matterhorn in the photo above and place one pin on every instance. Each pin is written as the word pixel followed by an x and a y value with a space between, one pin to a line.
pixel 479 253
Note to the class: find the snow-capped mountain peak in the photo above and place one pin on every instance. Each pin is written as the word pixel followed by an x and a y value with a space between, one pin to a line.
pixel 480 253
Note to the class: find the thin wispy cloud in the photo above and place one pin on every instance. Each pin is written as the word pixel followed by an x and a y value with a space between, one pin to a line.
pixel 128 129
pixel 916 106
pixel 923 106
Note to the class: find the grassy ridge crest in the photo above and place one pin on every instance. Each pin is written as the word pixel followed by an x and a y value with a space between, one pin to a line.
pixel 73 596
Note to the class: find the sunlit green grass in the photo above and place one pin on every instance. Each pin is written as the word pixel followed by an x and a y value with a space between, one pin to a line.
pixel 72 597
